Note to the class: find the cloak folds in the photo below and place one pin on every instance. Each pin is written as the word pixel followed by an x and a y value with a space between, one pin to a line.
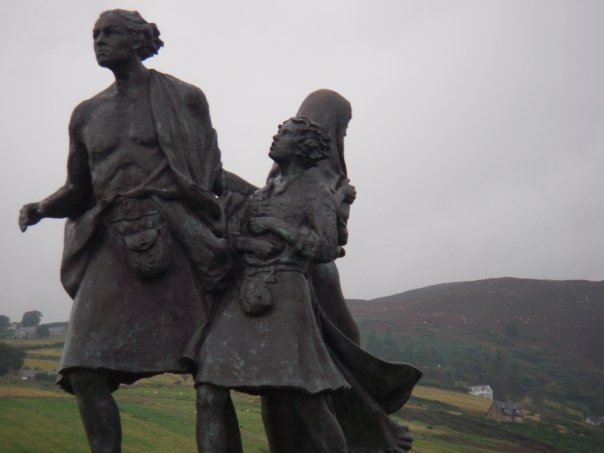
pixel 188 141
pixel 132 327
pixel 378 388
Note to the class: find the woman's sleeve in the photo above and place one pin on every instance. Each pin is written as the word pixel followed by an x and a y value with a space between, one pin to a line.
pixel 318 236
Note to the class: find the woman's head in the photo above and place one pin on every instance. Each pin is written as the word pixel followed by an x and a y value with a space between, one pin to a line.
pixel 333 112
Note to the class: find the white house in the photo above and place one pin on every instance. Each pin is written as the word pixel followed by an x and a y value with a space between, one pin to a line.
pixel 482 391
pixel 596 421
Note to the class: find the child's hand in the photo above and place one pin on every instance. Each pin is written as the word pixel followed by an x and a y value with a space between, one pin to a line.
pixel 265 249
pixel 260 225
pixel 261 247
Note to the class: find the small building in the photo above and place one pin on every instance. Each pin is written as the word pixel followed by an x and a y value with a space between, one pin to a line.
pixel 57 331
pixel 482 391
pixel 26 332
pixel 506 412
pixel 594 420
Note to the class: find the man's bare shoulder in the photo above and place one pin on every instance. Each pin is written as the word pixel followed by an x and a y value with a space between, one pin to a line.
pixel 85 109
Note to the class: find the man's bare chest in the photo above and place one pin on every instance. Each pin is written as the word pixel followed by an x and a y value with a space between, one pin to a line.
pixel 117 125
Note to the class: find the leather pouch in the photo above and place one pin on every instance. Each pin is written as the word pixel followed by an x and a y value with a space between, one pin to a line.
pixel 255 298
pixel 148 251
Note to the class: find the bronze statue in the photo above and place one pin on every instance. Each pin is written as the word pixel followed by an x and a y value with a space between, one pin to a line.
pixel 143 239
pixel 238 349
pixel 265 338
pixel 169 257
pixel 363 410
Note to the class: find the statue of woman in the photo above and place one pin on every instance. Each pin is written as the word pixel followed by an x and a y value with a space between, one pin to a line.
pixel 265 338
pixel 378 388
pixel 363 410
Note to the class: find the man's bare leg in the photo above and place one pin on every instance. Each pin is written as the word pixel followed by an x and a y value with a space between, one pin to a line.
pixel 98 410
pixel 211 427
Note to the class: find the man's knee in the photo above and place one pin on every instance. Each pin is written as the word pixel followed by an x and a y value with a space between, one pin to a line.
pixel 210 396
pixel 88 382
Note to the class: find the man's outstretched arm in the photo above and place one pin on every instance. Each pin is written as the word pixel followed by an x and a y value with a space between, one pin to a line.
pixel 73 198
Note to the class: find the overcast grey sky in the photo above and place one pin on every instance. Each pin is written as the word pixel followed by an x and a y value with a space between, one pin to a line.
pixel 475 145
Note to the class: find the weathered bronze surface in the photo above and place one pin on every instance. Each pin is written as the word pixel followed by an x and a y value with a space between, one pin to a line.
pixel 176 265
pixel 143 239
pixel 377 388
pixel 264 337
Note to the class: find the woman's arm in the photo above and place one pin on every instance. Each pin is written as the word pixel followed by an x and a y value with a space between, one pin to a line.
pixel 318 239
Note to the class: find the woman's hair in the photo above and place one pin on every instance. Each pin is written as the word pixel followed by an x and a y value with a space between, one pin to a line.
pixel 333 112
pixel 312 141
pixel 148 32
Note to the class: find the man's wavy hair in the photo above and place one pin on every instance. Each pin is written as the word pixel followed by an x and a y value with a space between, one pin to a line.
pixel 312 141
pixel 147 32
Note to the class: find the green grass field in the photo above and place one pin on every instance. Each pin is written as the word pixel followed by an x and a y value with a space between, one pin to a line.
pixel 158 415
pixel 155 418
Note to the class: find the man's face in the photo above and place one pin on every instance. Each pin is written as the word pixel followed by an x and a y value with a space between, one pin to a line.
pixel 114 43
pixel 284 142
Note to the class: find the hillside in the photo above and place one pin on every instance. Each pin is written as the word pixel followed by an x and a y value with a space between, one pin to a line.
pixel 158 414
pixel 531 337
pixel 563 316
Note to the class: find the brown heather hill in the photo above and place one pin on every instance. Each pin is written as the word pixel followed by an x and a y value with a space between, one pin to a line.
pixel 562 316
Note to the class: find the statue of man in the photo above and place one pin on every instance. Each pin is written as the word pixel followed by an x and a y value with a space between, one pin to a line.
pixel 143 239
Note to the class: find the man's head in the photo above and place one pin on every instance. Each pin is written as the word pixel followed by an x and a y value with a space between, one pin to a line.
pixel 120 35
pixel 302 138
